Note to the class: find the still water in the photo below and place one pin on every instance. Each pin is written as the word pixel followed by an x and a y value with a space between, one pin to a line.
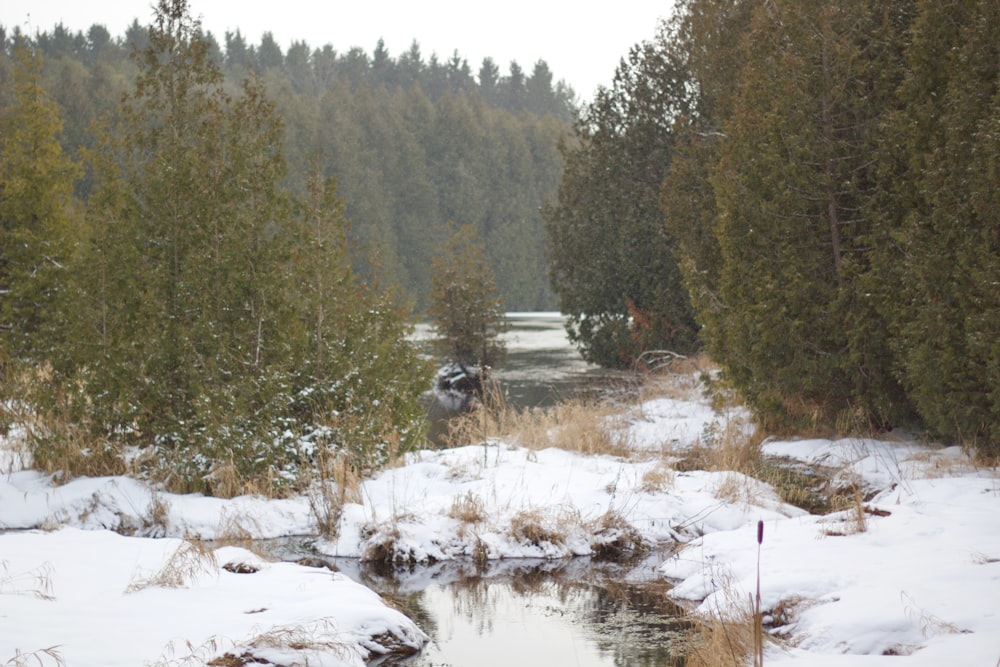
pixel 541 367
pixel 536 613
pixel 526 613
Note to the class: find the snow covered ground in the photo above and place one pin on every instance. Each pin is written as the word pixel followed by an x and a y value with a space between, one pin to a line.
pixel 916 577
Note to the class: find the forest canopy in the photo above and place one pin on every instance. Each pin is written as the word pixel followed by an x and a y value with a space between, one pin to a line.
pixel 417 142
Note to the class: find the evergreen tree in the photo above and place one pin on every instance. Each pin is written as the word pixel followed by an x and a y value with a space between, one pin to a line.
pixel 357 375
pixel 467 312
pixel 38 216
pixel 611 256
pixel 777 248
pixel 940 235
pixel 207 329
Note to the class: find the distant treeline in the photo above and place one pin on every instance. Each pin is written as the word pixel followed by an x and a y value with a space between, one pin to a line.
pixel 416 143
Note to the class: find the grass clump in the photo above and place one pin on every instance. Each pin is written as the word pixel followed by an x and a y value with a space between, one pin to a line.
pixel 39 658
pixel 36 582
pixel 532 526
pixel 468 509
pixel 191 559
pixel 586 426
pixel 338 483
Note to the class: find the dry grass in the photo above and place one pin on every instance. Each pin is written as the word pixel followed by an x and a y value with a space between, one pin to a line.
pixel 615 539
pixel 191 559
pixel 736 488
pixel 39 658
pixel 236 530
pixel 53 442
pixel 66 451
pixel 36 582
pixel 659 479
pixel 339 483
pixel 577 425
pixel 532 526
pixel 730 444
pixel 722 641
pixel 680 378
pixel 225 480
pixel 319 636
pixel 468 508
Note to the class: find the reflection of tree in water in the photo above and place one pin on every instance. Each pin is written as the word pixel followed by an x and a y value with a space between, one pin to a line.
pixel 623 606
pixel 635 624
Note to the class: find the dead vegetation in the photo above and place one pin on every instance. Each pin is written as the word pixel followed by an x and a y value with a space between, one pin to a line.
pixel 338 483
pixel 36 582
pixel 191 559
pixel 582 425
pixel 39 658
pixel 537 528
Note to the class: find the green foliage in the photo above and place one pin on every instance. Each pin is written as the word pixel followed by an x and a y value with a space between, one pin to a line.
pixel 217 323
pixel 465 308
pixel 791 179
pixel 940 235
pixel 414 142
pixel 38 216
pixel 834 197
pixel 612 261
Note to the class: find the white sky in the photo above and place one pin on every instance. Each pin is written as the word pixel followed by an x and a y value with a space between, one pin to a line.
pixel 582 45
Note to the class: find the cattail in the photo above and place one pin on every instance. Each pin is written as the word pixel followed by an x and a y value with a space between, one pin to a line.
pixel 758 617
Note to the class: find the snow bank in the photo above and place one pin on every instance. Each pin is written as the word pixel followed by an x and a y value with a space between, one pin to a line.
pixel 920 583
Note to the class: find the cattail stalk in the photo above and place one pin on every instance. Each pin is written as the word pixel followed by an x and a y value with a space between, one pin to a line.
pixel 758 617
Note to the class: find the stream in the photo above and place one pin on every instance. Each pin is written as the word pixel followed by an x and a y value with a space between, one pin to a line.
pixel 536 613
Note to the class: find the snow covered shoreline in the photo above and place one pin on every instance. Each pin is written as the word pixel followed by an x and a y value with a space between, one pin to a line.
pixel 920 578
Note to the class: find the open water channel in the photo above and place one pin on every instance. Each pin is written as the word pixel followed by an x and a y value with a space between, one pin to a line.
pixel 527 613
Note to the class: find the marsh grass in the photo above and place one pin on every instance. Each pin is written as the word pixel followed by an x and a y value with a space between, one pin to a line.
pixel 38 658
pixel 537 527
pixel 317 636
pixel 660 478
pixel 191 559
pixel 36 582
pixel 722 641
pixel 585 426
pixel 613 538
pixel 468 509
pixel 338 483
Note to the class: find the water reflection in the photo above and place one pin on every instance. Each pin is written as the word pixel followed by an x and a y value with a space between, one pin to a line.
pixel 526 612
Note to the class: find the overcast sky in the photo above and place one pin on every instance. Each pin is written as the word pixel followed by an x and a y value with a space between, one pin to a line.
pixel 581 42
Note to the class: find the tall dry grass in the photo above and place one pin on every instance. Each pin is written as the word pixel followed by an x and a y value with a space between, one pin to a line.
pixel 191 559
pixel 582 425
pixel 337 483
